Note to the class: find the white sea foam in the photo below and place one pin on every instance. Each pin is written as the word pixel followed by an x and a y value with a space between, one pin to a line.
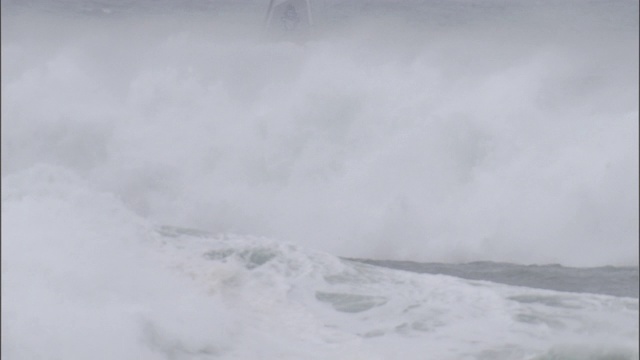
pixel 374 139
pixel 446 141
pixel 85 277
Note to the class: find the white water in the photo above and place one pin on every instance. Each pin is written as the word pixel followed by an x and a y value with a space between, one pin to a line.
pixel 375 138
pixel 83 277
pixel 513 142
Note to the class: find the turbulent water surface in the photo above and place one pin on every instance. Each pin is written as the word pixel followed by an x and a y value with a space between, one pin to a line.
pixel 417 179
pixel 609 280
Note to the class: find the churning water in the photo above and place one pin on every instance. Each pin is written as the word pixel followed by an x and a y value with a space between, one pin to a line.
pixel 471 143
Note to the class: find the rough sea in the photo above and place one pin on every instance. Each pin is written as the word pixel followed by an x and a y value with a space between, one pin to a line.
pixel 379 180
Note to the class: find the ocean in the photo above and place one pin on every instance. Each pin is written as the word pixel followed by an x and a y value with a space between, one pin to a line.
pixel 419 179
